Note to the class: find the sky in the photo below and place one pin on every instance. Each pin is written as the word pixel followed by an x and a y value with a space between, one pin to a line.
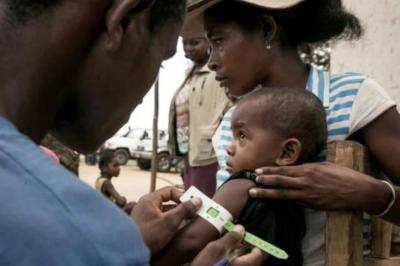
pixel 171 76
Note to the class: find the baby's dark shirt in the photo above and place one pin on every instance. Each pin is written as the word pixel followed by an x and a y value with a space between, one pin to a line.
pixel 279 222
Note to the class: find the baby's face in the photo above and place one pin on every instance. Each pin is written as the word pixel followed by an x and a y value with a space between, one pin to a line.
pixel 254 145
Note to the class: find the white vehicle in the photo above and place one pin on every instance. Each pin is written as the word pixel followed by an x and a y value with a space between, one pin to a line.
pixel 137 144
pixel 124 144
pixel 144 153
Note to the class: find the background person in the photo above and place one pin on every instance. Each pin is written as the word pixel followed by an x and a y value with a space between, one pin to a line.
pixel 110 168
pixel 196 110
pixel 357 107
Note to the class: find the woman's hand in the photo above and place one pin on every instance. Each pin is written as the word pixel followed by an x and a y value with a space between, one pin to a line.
pixel 324 186
pixel 158 226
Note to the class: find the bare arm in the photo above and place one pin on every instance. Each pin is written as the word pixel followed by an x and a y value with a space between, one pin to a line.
pixel 195 236
pixel 109 189
pixel 382 137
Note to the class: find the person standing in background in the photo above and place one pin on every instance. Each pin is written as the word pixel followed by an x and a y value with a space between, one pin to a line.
pixel 196 111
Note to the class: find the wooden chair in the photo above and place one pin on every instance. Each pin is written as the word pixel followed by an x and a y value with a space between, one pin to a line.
pixel 344 229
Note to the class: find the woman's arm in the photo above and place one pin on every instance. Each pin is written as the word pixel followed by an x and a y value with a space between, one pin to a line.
pixel 195 236
pixel 382 137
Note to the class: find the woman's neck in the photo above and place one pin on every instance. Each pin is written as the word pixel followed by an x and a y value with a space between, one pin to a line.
pixel 286 69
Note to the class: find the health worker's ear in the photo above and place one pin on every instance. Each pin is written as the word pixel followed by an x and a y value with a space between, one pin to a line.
pixel 121 14
pixel 290 152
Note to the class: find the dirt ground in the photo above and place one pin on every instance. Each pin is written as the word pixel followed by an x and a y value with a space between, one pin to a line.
pixel 132 182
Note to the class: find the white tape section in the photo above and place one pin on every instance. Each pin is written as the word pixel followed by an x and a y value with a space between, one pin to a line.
pixel 211 211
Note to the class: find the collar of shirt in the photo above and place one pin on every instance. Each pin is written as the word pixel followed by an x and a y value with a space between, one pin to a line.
pixel 203 70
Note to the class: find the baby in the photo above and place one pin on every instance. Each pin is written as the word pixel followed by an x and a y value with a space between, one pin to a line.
pixel 271 127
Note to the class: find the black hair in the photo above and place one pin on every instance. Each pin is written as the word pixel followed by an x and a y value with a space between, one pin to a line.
pixel 311 21
pixel 162 11
pixel 106 158
pixel 294 113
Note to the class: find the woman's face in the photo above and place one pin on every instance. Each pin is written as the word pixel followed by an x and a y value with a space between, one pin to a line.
pixel 238 57
pixel 196 49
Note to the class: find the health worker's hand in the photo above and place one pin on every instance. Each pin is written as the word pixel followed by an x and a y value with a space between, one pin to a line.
pixel 158 226
pixel 215 251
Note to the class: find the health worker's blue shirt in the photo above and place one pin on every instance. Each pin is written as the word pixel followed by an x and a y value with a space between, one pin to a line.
pixel 49 217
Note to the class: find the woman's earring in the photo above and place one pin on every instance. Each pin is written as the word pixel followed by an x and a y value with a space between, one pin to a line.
pixel 267 46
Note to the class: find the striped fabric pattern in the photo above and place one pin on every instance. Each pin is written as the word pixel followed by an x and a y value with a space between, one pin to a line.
pixel 336 92
pixel 224 138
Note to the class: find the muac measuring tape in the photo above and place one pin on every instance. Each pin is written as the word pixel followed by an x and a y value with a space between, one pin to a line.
pixel 221 219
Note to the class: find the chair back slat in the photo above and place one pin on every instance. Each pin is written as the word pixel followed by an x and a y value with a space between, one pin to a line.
pixel 344 229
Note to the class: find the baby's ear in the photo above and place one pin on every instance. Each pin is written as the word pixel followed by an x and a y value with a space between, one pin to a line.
pixel 290 152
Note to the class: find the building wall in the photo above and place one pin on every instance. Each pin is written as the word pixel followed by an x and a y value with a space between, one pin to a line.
pixel 378 52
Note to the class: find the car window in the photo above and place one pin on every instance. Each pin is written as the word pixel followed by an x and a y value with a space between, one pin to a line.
pixel 135 134
pixel 147 135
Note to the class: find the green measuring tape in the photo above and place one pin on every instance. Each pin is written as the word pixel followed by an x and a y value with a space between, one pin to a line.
pixel 260 243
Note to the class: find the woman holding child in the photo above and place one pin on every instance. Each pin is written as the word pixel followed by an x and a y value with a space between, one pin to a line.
pixel 254 44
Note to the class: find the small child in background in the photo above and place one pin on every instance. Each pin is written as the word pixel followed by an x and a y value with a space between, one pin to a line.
pixel 271 127
pixel 109 168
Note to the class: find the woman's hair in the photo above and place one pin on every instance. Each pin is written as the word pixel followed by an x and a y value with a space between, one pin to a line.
pixel 162 11
pixel 311 21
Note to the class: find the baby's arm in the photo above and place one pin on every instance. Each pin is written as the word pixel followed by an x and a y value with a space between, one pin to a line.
pixel 196 235
pixel 109 188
